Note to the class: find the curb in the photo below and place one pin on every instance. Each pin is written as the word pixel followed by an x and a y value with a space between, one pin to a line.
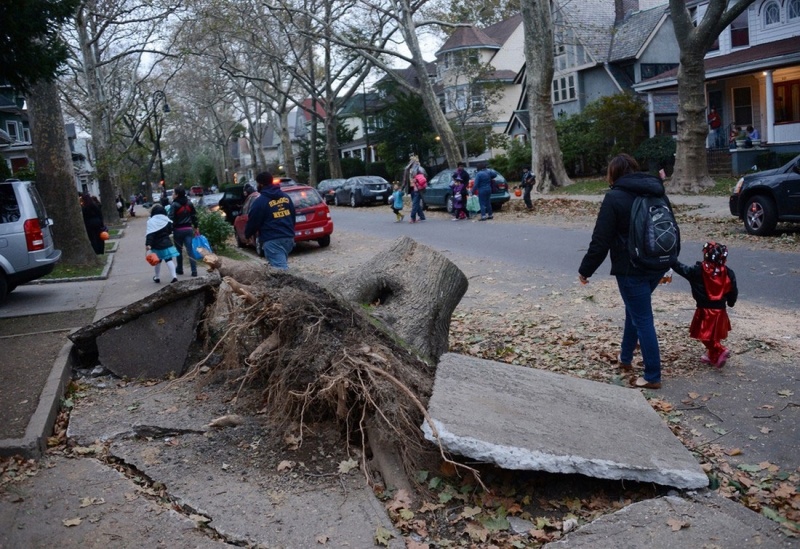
pixel 34 443
pixel 101 276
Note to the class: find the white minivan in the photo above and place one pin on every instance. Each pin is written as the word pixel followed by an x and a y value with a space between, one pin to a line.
pixel 27 251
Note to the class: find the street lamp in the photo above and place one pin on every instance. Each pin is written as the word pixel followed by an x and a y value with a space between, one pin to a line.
pixel 159 95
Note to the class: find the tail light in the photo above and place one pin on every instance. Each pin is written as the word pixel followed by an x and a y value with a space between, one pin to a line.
pixel 33 235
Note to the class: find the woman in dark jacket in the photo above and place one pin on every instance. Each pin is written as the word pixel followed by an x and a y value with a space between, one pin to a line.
pixel 93 221
pixel 635 285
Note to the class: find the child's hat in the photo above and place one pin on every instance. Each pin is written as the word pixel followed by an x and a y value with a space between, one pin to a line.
pixel 715 253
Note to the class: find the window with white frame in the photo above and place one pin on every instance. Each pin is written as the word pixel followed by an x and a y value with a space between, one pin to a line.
pixel 26 135
pixel 740 31
pixel 793 9
pixel 564 88
pixel 772 14
pixel 13 129
pixel 476 101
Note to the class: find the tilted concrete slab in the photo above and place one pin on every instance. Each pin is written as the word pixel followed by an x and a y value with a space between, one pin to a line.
pixel 528 419
pixel 705 520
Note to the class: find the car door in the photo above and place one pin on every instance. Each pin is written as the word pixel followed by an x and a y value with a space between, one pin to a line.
pixel 439 189
pixel 791 186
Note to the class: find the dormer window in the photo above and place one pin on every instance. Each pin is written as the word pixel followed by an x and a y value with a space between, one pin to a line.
pixel 740 31
pixel 793 11
pixel 772 14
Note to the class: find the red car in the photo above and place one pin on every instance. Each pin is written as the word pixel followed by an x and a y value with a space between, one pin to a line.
pixel 313 221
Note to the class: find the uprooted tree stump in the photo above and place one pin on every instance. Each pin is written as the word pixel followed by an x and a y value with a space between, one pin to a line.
pixel 415 290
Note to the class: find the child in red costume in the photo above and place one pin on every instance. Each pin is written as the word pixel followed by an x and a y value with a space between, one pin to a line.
pixel 713 285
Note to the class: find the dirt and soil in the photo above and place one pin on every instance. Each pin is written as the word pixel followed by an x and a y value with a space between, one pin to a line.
pixel 523 318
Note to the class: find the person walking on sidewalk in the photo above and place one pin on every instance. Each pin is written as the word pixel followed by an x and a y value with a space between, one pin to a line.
pixel 272 216
pixel 185 227
pixel 713 285
pixel 157 241
pixel 636 285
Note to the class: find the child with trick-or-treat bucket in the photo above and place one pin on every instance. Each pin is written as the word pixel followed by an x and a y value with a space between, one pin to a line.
pixel 158 241
pixel 713 286
pixel 396 200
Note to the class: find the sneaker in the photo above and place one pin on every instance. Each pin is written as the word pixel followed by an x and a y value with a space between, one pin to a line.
pixel 454 219
pixel 402 217
pixel 194 273
pixel 490 217
pixel 723 358
pixel 156 280
pixel 179 271
pixel 413 221
pixel 173 281
pixel 704 359
pixel 625 366
pixel 483 218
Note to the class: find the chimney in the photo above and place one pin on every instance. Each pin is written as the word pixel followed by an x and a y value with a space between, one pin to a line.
pixel 623 8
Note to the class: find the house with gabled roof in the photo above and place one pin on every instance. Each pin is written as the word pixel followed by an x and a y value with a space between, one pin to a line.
pixel 752 76
pixel 602 48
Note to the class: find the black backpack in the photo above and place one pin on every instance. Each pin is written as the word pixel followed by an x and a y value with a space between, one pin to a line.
pixel 654 239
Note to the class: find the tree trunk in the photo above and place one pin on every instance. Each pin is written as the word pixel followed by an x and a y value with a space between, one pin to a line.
pixel 546 159
pixel 412 289
pixel 694 39
pixel 286 144
pixel 331 143
pixel 55 178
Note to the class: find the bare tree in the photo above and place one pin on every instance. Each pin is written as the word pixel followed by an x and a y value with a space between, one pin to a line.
pixel 694 39
pixel 546 161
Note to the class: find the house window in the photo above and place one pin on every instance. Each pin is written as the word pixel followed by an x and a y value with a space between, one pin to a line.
pixel 787 101
pixel 740 32
pixel 793 11
pixel 772 14
pixel 649 70
pixel 461 100
pixel 742 107
pixel 666 124
pixel 564 88
pixel 476 102
pixel 12 129
pixel 26 135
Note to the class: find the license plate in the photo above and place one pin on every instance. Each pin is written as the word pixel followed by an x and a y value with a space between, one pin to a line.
pixel 300 218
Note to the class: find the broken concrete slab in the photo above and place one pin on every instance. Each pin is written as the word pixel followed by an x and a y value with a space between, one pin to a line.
pixel 79 503
pixel 706 520
pixel 528 419
pixel 154 345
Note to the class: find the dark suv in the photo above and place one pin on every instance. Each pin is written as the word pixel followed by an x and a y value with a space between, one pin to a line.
pixel 763 199
pixel 26 243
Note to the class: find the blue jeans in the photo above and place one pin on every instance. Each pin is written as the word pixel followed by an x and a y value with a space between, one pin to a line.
pixel 636 293
pixel 485 199
pixel 183 239
pixel 416 206
pixel 277 252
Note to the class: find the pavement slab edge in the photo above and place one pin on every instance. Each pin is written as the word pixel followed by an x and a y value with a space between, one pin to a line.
pixel 527 419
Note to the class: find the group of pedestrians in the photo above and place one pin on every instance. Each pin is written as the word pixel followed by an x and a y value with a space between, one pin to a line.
pixel 169 234
pixel 713 283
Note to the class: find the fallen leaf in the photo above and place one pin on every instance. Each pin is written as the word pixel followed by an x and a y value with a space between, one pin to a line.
pixel 694 395
pixel 411 544
pixel 230 420
pixel 406 514
pixel 382 536
pixel 476 532
pixel 199 519
pixel 734 452
pixel 86 502
pixel 401 500
pixel 292 442
pixel 322 540
pixel 785 392
pixel 765 430
pixel 285 465
pixel 347 465
pixel 677 524
pixel 72 522
pixel 470 512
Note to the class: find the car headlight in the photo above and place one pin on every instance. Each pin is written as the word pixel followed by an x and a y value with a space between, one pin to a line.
pixel 738 187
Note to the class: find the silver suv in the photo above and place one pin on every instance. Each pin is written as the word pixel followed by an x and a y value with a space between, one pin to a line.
pixel 26 241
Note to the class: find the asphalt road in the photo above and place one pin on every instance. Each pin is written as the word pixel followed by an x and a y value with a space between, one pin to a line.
pixel 768 277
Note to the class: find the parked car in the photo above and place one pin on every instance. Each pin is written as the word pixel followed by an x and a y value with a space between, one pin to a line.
pixel 209 201
pixel 26 240
pixel 440 195
pixel 312 222
pixel 231 202
pixel 196 190
pixel 363 189
pixel 763 199
pixel 327 188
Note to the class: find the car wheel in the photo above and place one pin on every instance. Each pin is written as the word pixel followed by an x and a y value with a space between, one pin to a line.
pixel 259 247
pixel 448 203
pixel 325 241
pixel 336 200
pixel 760 217
pixel 353 201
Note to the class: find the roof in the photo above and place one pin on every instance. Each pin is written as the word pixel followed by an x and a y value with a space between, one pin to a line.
pixel 503 30
pixel 306 109
pixel 632 34
pixel 359 103
pixel 773 55
pixel 505 75
pixel 467 38
pixel 592 22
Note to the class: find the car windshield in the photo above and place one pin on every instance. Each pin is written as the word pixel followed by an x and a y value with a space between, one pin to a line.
pixel 304 198
pixel 371 181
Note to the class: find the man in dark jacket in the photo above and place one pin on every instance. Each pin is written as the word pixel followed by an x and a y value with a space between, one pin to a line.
pixel 635 284
pixel 184 227
pixel 272 216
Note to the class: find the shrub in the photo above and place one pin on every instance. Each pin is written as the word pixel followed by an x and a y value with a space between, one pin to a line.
pixel 214 228
pixel 656 153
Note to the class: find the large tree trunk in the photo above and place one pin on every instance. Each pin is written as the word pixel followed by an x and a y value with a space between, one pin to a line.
pixel 694 40
pixel 55 178
pixel 546 160
pixel 331 142
pixel 412 289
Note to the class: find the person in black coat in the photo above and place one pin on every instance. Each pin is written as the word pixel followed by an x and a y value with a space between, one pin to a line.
pixel 635 284
pixel 93 221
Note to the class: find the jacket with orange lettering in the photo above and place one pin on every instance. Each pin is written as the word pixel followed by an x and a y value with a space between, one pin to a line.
pixel 271 215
